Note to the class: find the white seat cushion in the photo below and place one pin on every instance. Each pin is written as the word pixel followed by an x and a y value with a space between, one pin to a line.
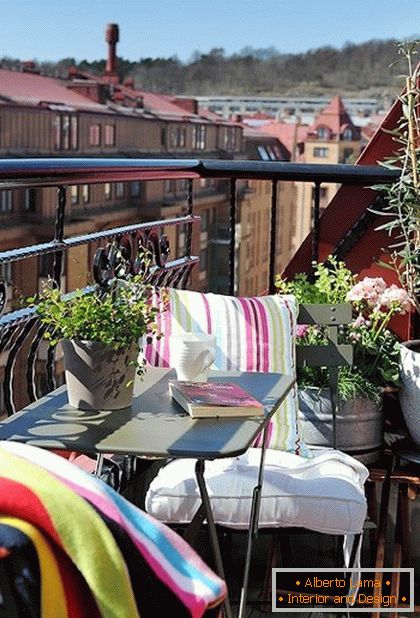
pixel 324 493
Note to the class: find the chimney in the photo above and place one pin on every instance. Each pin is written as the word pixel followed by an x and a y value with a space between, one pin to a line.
pixel 29 66
pixel 112 38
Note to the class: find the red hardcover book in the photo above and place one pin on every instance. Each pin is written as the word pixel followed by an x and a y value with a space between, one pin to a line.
pixel 212 399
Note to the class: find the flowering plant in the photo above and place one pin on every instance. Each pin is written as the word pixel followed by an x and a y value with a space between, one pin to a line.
pixel 116 316
pixel 375 348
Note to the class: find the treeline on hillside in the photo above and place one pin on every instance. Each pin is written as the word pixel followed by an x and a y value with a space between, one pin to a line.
pixel 354 69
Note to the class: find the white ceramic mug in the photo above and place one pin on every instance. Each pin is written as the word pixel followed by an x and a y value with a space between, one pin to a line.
pixel 192 354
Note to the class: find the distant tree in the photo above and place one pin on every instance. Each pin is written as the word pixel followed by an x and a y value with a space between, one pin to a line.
pixel 356 69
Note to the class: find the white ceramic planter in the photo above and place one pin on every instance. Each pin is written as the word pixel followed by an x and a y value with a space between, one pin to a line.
pixel 97 375
pixel 410 391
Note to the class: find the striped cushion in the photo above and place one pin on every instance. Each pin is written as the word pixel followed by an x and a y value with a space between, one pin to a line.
pixel 253 334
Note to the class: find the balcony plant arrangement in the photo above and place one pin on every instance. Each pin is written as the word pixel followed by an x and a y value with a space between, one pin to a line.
pixel 375 348
pixel 402 221
pixel 100 330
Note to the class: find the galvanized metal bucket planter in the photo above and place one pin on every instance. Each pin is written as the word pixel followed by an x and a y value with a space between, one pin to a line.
pixel 97 375
pixel 359 424
pixel 410 391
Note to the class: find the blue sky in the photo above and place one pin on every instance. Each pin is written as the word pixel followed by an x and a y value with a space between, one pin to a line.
pixel 54 29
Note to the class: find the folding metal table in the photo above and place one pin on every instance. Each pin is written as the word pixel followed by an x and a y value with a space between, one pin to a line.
pixel 155 425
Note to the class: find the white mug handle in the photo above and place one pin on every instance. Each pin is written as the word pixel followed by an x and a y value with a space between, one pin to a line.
pixel 209 356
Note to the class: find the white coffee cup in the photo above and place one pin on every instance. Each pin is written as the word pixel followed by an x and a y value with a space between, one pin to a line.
pixel 191 355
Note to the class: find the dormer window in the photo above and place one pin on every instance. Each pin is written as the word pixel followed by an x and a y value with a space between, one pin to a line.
pixel 347 135
pixel 323 133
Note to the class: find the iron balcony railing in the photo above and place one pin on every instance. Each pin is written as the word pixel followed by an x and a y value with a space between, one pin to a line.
pixel 20 333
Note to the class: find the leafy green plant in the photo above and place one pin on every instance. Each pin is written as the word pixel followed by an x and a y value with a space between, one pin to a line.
pixel 117 316
pixel 376 349
pixel 402 203
pixel 330 284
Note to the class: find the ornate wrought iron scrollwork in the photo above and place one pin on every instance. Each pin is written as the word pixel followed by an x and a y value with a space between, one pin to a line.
pixel 145 252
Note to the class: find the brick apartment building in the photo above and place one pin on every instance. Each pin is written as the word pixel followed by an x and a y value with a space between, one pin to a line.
pixel 91 116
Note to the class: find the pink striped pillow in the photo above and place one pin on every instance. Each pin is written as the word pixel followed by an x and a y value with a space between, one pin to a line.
pixel 253 334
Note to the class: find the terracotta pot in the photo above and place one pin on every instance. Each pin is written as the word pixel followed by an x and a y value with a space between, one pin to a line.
pixel 410 391
pixel 97 375
pixel 359 424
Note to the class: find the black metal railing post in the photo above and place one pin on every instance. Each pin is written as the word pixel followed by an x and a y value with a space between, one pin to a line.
pixel 190 207
pixel 232 230
pixel 273 237
pixel 59 235
pixel 316 223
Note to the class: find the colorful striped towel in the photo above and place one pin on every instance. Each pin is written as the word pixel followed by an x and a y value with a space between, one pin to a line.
pixel 173 562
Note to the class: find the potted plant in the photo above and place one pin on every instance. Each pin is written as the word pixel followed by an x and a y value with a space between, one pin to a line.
pixel 402 213
pixel 100 330
pixel 375 352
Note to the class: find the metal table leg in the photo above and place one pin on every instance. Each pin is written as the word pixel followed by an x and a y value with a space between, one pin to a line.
pixel 253 526
pixel 99 465
pixel 214 541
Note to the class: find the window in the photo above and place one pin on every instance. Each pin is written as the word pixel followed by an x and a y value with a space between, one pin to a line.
pixel 199 137
pixel 6 272
pixel 203 259
pixel 85 193
pixel 119 189
pixel 108 190
pixel 74 194
pixel 323 133
pixel 30 200
pixel 182 137
pixel 182 186
pixel 65 132
pixel 73 133
pixel 135 188
pixel 229 138
pixel 178 137
pixel 6 201
pixel 109 137
pixel 204 220
pixel 163 137
pixel 170 186
pixel 95 135
pixel 263 153
pixel 321 152
pixel 46 264
pixel 181 240
pixel 347 155
pixel 271 153
pixel 347 135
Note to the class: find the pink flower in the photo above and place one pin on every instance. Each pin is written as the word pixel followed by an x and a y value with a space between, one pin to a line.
pixel 302 330
pixel 368 290
pixel 396 298
pixel 359 322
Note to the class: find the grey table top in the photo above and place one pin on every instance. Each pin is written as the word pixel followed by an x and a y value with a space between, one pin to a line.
pixel 154 425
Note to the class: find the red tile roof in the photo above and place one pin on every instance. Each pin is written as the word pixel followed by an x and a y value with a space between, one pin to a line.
pixel 157 104
pixel 334 116
pixel 287 133
pixel 32 89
